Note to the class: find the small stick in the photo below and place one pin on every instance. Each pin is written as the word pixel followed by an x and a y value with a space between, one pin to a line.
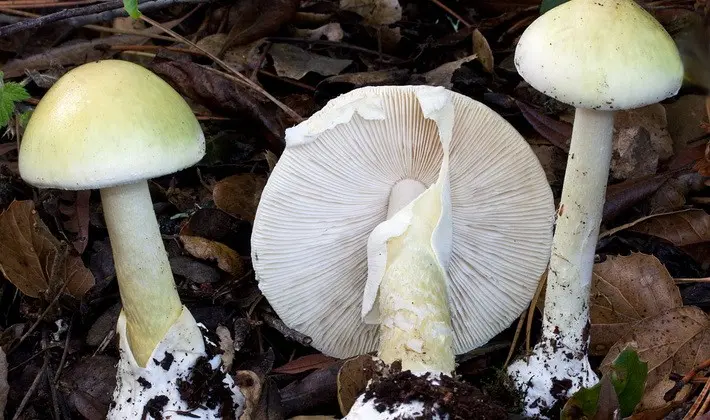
pixel 451 12
pixel 287 332
pixel 238 76
pixel 31 391
pixel 670 395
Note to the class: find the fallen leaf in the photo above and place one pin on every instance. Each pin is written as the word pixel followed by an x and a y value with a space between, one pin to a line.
pixel 375 12
pixel 626 289
pixel 623 195
pixel 227 259
pixel 306 363
pixel 608 403
pixel 103 326
pixel 34 260
pixel 220 94
pixel 317 389
pixel 685 117
pixel 681 228
pixel 89 384
pixel 195 271
pixel 295 62
pixel 255 19
pixel 557 132
pixel 246 56
pixel 442 75
pixel 335 85
pixel 674 341
pixel 330 31
pixel 249 384
pixel 483 50
pixel 352 380
pixel 78 217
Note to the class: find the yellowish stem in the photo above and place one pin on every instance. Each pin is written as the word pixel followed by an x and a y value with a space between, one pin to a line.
pixel 150 300
pixel 415 323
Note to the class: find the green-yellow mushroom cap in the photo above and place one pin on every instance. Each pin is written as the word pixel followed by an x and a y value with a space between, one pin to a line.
pixel 600 54
pixel 108 123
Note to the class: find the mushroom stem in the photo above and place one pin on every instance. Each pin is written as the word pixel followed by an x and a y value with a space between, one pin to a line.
pixel 150 300
pixel 579 217
pixel 415 323
pixel 558 365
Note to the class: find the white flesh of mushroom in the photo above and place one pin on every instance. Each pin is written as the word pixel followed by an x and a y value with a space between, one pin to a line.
pixel 140 387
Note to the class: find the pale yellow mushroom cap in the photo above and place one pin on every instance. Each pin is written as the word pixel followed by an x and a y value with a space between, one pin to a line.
pixel 600 54
pixel 108 123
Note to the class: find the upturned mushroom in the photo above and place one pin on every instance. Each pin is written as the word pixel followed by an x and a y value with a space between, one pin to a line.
pixel 112 125
pixel 408 220
pixel 599 56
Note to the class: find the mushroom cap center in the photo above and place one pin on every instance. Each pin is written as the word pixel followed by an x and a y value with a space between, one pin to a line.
pixel 403 193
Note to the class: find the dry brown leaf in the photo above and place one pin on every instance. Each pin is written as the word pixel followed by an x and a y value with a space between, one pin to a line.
pixel 483 50
pixel 239 195
pixel 353 377
pixel 442 75
pixel 681 228
pixel 375 12
pixel 675 341
pixel 227 259
pixel 250 385
pixel 626 289
pixel 295 62
pixel 34 260
pixel 306 363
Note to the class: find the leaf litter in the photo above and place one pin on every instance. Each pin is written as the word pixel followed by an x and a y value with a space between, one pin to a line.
pixel 56 259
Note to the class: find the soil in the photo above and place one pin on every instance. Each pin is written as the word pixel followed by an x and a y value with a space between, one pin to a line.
pixel 448 397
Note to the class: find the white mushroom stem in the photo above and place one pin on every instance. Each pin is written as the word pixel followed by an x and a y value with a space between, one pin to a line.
pixel 415 323
pixel 559 366
pixel 150 300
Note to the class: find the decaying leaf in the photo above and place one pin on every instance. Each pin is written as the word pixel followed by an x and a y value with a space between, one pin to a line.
pixel 442 75
pixel 250 385
pixel 89 385
pixel 483 50
pixel 241 57
pixel 681 228
pixel 78 217
pixel 375 12
pixel 34 260
pixel 227 259
pixel 626 289
pixel 352 380
pixel 330 31
pixel 295 62
pixel 675 341
pixel 221 94
pixel 557 132
pixel 255 19
pixel 306 363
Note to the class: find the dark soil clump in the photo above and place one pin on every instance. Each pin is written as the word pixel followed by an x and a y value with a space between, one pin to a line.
pixel 450 397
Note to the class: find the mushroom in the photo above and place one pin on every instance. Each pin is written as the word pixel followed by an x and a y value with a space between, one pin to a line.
pixel 599 56
pixel 112 125
pixel 410 220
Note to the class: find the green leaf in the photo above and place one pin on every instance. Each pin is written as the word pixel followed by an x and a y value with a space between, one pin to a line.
pixel 131 7
pixel 25 118
pixel 628 375
pixel 10 93
pixel 546 5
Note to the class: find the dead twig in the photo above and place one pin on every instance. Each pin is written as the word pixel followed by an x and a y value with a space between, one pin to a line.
pixel 81 16
pixel 238 77
pixel 278 325
pixel 31 391
pixel 451 12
